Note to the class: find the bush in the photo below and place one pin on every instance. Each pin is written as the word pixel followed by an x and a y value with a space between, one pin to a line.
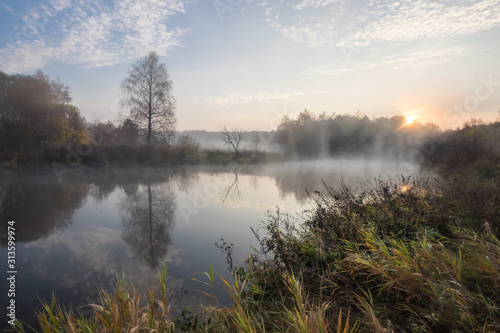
pixel 396 254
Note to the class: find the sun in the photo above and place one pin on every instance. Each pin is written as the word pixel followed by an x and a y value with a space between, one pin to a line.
pixel 410 119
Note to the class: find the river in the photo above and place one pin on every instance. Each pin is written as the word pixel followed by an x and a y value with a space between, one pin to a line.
pixel 78 232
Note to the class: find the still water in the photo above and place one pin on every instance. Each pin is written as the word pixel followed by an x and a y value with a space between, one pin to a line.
pixel 82 231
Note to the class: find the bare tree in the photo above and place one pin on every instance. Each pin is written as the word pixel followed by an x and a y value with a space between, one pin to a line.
pixel 148 217
pixel 147 95
pixel 232 191
pixel 256 141
pixel 233 138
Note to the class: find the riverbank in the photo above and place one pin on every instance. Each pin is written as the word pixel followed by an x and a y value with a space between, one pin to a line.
pixel 75 156
pixel 412 255
pixel 415 256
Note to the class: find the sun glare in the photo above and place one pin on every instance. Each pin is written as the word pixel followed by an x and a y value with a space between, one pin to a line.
pixel 404 188
pixel 410 119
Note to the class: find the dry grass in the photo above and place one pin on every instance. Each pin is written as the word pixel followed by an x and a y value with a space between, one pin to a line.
pixel 405 256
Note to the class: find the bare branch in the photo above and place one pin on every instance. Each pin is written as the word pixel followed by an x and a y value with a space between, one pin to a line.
pixel 148 98
pixel 233 138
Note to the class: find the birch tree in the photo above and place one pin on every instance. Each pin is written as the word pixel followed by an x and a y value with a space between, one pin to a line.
pixel 148 96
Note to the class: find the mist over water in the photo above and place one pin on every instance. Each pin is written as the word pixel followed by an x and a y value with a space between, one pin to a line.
pixel 212 140
pixel 299 178
pixel 82 232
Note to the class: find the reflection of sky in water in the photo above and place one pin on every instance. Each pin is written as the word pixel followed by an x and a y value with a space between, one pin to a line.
pixel 92 249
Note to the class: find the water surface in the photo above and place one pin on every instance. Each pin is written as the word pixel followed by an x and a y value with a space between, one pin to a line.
pixel 81 232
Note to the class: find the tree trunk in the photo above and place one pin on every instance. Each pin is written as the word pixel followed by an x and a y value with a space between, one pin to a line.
pixel 150 214
pixel 149 125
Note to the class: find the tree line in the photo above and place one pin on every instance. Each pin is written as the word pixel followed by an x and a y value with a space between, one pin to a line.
pixel 37 118
pixel 331 135
pixel 311 136
pixel 37 114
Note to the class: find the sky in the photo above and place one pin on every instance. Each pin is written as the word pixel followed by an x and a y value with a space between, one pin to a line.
pixel 247 63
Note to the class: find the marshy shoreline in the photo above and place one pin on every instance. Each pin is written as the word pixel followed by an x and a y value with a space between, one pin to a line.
pixel 416 254
pixel 412 255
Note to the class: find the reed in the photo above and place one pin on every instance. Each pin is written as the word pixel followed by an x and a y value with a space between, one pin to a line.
pixel 389 256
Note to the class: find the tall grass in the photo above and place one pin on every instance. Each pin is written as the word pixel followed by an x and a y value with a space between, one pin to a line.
pixel 403 256
pixel 122 310
pixel 412 255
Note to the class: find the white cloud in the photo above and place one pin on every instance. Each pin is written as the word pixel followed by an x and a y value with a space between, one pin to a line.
pixel 419 20
pixel 317 34
pixel 242 98
pixel 87 251
pixel 6 7
pixel 336 22
pixel 410 60
pixel 92 33
pixel 314 3
pixel 310 22
pixel 428 58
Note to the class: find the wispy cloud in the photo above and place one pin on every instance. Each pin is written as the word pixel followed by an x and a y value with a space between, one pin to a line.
pixel 419 20
pixel 242 98
pixel 340 23
pixel 400 61
pixel 431 57
pixel 92 33
pixel 314 3
pixel 86 251
pixel 316 34
pixel 310 22
pixel 6 7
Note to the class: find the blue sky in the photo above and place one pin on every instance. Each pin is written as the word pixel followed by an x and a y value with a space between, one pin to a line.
pixel 246 63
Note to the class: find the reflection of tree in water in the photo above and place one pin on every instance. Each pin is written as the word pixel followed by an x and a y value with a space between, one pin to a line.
pixel 254 181
pixel 185 181
pixel 148 217
pixel 39 206
pixel 232 191
pixel 99 191
pixel 298 179
pixel 105 183
pixel 297 182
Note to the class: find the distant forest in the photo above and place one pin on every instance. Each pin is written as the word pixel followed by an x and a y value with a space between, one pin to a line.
pixel 313 136
pixel 40 125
